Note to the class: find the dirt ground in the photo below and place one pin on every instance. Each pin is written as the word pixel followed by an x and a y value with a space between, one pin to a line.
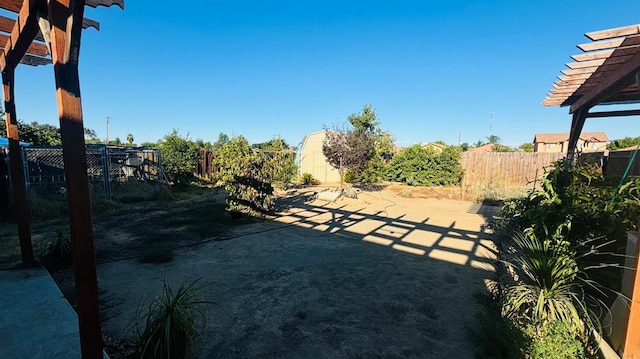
pixel 380 276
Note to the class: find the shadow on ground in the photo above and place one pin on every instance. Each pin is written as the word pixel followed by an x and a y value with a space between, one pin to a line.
pixel 377 276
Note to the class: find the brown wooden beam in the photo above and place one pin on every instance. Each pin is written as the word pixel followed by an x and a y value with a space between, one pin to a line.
pixel 613 113
pixel 22 34
pixel 608 85
pixel 577 124
pixel 34 48
pixel 66 32
pixel 17 169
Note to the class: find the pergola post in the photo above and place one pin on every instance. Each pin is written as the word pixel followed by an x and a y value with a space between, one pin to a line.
pixel 577 123
pixel 17 168
pixel 65 17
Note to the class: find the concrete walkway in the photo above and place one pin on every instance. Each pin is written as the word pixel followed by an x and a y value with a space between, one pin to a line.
pixel 36 321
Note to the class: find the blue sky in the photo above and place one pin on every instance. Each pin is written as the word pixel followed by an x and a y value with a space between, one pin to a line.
pixel 433 70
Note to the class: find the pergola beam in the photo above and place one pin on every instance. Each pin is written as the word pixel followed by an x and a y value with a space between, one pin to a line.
pixel 610 84
pixel 22 35
pixel 620 113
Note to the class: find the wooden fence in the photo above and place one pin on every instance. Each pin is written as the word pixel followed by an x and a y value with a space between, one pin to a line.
pixel 617 162
pixel 505 168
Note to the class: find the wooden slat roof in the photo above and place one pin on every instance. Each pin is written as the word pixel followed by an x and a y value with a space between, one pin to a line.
pixel 611 53
pixel 38 52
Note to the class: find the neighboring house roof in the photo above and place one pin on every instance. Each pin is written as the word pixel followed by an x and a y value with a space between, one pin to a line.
pixel 397 149
pixel 484 148
pixel 563 137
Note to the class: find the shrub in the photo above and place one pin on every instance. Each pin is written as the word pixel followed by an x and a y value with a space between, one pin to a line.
pixel 180 157
pixel 555 340
pixel 420 166
pixel 169 325
pixel 350 177
pixel 549 284
pixel 307 178
pixel 58 253
pixel 246 176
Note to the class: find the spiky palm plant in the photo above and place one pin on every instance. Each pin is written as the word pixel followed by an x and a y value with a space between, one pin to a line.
pixel 549 285
pixel 170 321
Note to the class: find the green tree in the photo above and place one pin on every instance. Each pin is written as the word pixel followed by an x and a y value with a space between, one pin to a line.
pixel 149 144
pixel 41 134
pixel 623 143
pixel 383 143
pixel 366 121
pixel 497 147
pixel 221 141
pixel 180 157
pixel 479 143
pixel 494 139
pixel 277 143
pixel 90 136
pixel 526 147
pixel 130 140
pixel 464 147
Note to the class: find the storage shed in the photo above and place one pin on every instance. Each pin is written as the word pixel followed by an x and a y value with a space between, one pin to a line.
pixel 310 159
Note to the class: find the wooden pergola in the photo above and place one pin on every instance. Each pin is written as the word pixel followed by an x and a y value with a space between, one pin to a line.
pixel 607 72
pixel 40 32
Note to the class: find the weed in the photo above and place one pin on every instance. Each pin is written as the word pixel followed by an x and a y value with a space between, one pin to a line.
pixel 168 327
pixel 406 193
pixel 58 253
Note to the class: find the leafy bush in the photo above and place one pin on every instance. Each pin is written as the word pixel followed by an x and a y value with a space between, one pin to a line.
pixel 555 340
pixel 497 337
pixel 247 176
pixel 180 157
pixel 578 195
pixel 168 327
pixel 420 166
pixel 559 271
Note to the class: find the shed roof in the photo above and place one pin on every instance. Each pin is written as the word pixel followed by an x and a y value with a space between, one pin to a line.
pixel 601 74
pixel 562 137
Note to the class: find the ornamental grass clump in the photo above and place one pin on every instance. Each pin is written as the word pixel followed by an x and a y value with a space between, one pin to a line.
pixel 168 327
pixel 550 284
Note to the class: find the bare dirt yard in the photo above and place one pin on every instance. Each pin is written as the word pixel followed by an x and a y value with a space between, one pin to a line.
pixel 380 276
pixel 377 276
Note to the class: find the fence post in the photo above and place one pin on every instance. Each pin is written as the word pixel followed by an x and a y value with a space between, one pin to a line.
pixel 105 172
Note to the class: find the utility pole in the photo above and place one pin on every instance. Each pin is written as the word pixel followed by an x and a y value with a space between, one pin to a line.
pixel 459 137
pixel 108 118
pixel 491 124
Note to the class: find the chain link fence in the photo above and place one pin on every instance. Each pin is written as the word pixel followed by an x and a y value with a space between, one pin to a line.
pixel 108 168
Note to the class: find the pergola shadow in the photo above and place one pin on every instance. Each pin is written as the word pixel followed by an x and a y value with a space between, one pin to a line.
pixel 457 243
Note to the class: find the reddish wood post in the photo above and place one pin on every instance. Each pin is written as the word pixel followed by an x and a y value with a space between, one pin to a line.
pixel 577 123
pixel 65 17
pixel 17 168
pixel 632 341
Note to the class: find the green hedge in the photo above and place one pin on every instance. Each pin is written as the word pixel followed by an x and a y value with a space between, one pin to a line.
pixel 420 166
